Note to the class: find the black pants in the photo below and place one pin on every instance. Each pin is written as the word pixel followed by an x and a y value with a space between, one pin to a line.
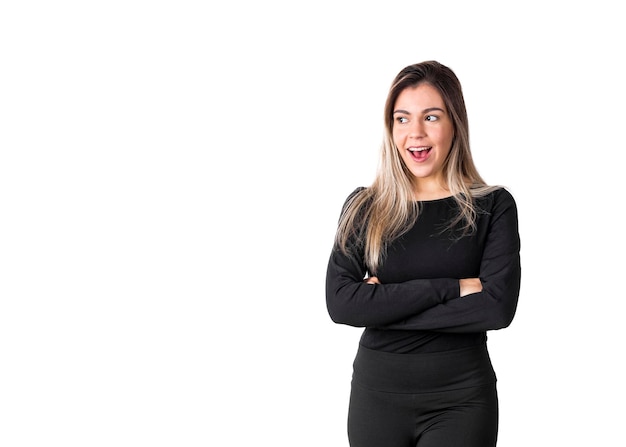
pixel 423 400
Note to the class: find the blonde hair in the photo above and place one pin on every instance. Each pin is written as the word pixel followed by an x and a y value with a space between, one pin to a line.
pixel 374 216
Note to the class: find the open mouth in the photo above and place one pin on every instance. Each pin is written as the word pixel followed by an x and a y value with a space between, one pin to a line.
pixel 420 153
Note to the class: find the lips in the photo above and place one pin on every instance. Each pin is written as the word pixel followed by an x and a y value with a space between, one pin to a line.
pixel 420 153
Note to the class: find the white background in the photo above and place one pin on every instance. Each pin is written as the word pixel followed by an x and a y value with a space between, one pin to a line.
pixel 171 174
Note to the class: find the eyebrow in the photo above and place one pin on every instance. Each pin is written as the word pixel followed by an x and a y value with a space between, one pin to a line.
pixel 430 109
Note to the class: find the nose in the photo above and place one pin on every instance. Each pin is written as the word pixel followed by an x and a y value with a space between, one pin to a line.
pixel 417 129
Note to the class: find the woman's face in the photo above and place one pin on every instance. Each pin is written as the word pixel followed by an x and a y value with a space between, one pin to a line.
pixel 422 131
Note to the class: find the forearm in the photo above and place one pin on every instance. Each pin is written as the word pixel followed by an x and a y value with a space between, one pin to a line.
pixel 353 302
pixel 492 308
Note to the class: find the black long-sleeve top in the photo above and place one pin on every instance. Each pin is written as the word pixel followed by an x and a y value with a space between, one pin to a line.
pixel 417 307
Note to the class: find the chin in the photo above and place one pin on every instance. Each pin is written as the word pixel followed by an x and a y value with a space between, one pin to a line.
pixel 421 173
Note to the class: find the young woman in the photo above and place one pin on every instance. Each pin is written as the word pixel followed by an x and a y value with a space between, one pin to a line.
pixel 426 259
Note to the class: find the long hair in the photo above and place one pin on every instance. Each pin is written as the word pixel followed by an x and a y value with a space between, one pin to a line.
pixel 374 216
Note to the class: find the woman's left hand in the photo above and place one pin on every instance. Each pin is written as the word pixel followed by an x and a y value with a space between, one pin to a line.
pixel 372 280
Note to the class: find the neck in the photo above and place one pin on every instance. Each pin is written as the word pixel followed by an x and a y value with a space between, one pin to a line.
pixel 430 190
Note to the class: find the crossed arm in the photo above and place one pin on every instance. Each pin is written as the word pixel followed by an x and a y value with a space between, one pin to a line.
pixel 445 304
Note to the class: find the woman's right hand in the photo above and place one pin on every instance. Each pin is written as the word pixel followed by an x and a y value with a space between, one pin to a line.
pixel 468 286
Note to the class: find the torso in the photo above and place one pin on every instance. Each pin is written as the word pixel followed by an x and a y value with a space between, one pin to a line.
pixel 429 250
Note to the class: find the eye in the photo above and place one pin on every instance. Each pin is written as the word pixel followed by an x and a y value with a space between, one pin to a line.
pixel 432 117
pixel 402 119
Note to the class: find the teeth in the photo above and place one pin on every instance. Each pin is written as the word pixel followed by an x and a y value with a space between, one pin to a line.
pixel 418 149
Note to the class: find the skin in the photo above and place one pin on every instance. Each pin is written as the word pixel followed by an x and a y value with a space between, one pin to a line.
pixel 421 121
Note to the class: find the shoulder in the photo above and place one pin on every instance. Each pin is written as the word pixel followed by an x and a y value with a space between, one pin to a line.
pixel 502 197
pixel 356 204
pixel 496 202
pixel 358 193
pixel 494 196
